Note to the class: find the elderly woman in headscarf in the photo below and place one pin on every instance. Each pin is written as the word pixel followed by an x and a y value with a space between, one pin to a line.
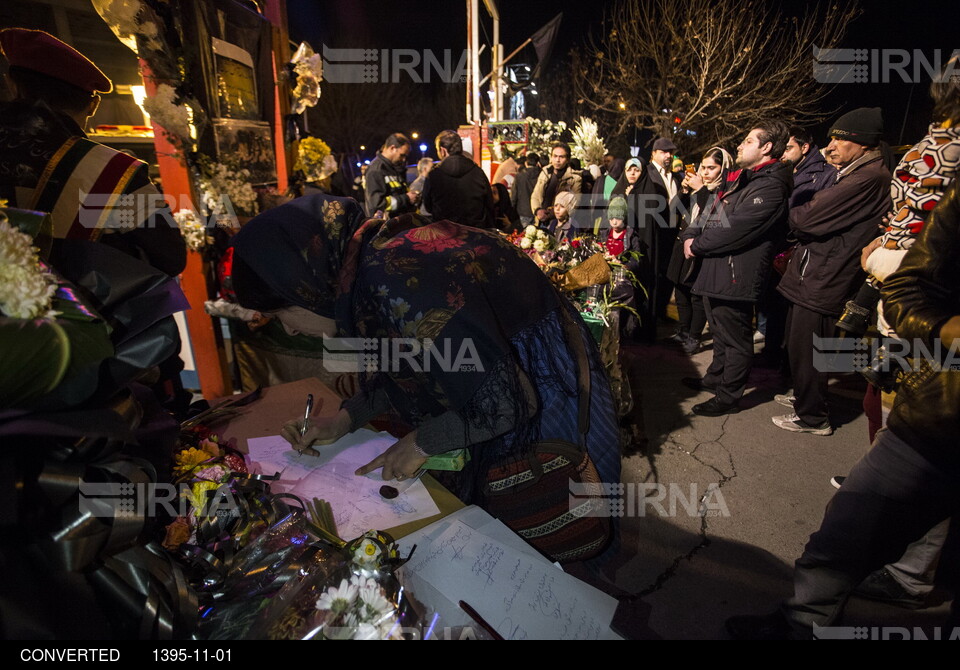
pixel 522 353
pixel 702 185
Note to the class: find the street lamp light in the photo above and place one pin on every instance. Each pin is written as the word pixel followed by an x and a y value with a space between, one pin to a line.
pixel 415 135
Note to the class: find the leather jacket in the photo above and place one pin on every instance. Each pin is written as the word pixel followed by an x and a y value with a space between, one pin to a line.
pixel 922 295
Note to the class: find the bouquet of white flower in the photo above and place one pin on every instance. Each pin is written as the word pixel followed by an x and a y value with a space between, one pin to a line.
pixel 352 594
pixel 587 144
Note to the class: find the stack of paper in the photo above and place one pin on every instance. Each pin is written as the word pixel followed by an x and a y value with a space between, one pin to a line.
pixel 471 557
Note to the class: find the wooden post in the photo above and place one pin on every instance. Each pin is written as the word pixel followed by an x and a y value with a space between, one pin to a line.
pixel 208 353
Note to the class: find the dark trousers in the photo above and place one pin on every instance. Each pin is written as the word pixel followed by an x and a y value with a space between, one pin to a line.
pixel 809 384
pixel 774 306
pixel 731 322
pixel 690 311
pixel 890 499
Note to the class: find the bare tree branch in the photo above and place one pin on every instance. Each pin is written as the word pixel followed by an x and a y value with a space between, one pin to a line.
pixel 717 65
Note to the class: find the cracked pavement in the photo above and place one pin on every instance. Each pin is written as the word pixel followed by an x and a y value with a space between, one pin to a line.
pixel 684 573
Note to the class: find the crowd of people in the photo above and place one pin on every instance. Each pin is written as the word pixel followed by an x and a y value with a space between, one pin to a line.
pixel 779 243
pixel 780 238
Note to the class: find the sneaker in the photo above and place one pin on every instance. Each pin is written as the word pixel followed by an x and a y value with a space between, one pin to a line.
pixel 696 384
pixel 758 336
pixel 715 407
pixel 793 423
pixel 773 626
pixel 786 400
pixel 837 481
pixel 884 587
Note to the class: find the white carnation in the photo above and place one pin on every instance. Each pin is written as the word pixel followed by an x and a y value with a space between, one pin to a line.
pixel 540 245
pixel 16 248
pixel 25 292
pixel 526 243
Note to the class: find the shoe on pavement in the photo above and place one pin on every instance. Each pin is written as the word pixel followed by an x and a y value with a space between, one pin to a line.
pixel 884 587
pixel 793 423
pixel 677 338
pixel 691 345
pixel 837 481
pixel 696 384
pixel 786 400
pixel 715 407
pixel 771 626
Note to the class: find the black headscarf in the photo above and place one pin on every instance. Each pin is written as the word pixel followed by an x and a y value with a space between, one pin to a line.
pixel 298 251
pixel 622 183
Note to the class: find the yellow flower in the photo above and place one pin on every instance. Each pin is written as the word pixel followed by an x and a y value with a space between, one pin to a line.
pixel 310 155
pixel 197 495
pixel 189 459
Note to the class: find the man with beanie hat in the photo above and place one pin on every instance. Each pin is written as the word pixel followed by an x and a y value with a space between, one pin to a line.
pixel 91 191
pixel 824 271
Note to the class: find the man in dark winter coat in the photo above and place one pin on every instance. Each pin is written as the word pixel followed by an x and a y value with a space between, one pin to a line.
pixel 661 202
pixel 736 244
pixel 457 189
pixel 824 271
pixel 811 172
pixel 910 479
pixel 386 181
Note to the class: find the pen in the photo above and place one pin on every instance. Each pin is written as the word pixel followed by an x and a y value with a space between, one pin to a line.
pixel 472 613
pixel 306 416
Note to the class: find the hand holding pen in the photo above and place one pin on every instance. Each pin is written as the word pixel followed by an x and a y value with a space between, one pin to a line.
pixel 313 431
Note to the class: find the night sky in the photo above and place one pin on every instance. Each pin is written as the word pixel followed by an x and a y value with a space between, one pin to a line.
pixel 418 24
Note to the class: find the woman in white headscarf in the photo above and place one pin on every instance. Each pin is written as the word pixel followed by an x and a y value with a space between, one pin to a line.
pixel 703 186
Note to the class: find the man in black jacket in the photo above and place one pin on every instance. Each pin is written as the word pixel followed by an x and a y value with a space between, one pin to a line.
pixel 736 243
pixel 824 271
pixel 811 172
pixel 457 189
pixel 386 181
pixel 910 480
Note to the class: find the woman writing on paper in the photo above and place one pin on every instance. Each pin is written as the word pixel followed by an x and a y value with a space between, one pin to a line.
pixel 502 373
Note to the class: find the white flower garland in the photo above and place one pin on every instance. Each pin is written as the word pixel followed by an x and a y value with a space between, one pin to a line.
pixel 219 183
pixel 173 118
pixel 26 288
pixel 192 229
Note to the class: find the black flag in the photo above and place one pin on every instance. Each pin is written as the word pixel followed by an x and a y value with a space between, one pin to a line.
pixel 543 42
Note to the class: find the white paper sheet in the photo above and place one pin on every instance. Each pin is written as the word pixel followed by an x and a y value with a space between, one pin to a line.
pixel 355 501
pixel 522 596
